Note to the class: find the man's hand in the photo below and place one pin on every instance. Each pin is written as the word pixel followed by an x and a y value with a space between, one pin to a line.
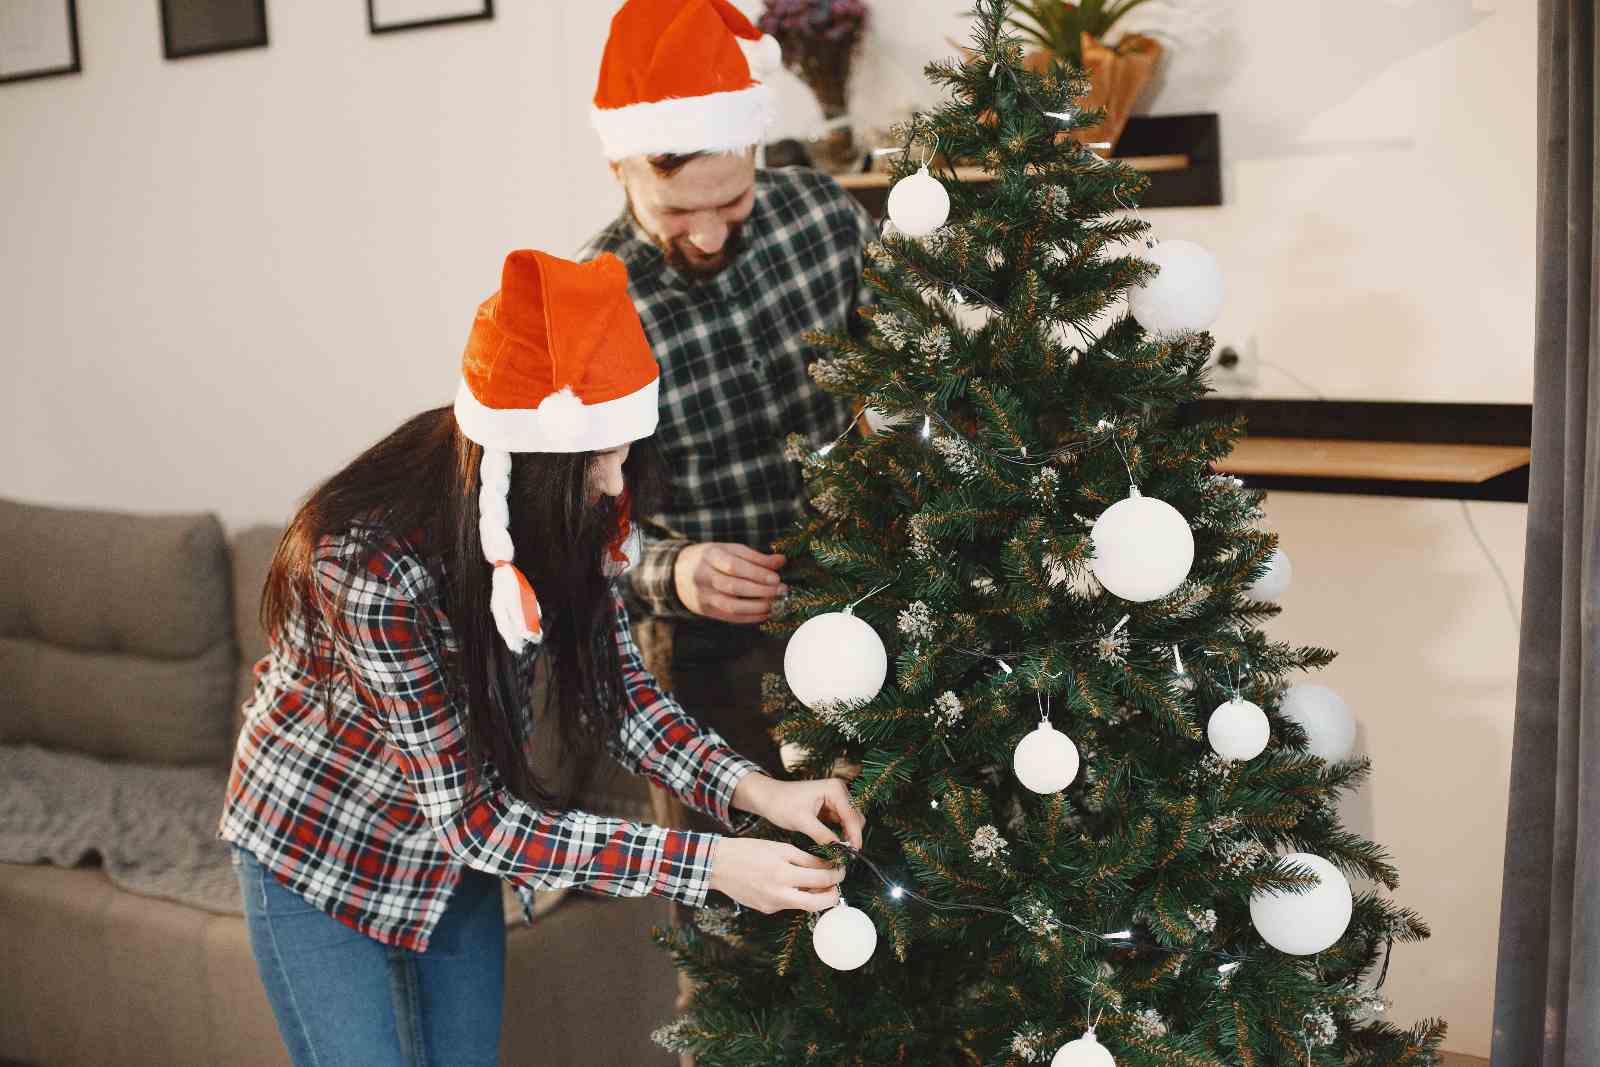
pixel 731 583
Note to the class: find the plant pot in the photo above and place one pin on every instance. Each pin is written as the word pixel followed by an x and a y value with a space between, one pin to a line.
pixel 1119 75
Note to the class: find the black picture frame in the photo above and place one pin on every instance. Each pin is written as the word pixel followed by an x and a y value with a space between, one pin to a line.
pixel 73 66
pixel 192 28
pixel 375 28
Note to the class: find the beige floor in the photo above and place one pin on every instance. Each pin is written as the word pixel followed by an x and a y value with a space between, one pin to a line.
pixel 1461 1059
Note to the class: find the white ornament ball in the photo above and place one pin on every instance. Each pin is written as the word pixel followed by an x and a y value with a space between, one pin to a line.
pixel 1046 761
pixel 1271 586
pixel 1238 730
pixel 835 658
pixel 1186 295
pixel 1086 1051
pixel 844 937
pixel 918 204
pixel 1143 548
pixel 1327 720
pixel 1305 923
pixel 879 421
pixel 793 755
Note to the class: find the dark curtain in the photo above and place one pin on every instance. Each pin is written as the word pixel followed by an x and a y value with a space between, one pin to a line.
pixel 1547 988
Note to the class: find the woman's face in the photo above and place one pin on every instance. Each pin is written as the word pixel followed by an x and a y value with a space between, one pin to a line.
pixel 605 476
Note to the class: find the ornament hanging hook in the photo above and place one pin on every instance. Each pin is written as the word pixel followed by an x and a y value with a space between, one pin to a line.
pixel 850 608
pixel 1116 443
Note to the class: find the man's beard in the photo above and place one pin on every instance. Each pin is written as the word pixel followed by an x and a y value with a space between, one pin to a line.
pixel 684 258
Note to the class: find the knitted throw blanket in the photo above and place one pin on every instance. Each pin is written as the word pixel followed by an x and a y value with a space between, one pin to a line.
pixel 154 828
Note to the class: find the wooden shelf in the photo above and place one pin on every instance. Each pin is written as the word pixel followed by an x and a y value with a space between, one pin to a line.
pixel 1147 164
pixel 1390 461
pixel 1181 154
pixel 1376 448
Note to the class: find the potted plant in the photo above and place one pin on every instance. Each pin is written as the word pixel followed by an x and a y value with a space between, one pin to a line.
pixel 819 40
pixel 1076 33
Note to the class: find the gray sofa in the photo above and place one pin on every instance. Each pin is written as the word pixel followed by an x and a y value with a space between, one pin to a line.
pixel 130 639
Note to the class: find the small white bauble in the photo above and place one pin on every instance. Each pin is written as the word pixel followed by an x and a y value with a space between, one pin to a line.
pixel 1238 730
pixel 1046 761
pixel 1186 295
pixel 1143 548
pixel 844 937
pixel 879 421
pixel 1325 717
pixel 918 204
pixel 835 658
pixel 793 756
pixel 1087 1051
pixel 1303 924
pixel 1271 586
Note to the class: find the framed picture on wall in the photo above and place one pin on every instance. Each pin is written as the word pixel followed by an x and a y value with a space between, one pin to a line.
pixel 38 38
pixel 203 27
pixel 388 16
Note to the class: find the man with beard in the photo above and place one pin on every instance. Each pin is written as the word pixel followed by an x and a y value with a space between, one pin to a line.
pixel 729 267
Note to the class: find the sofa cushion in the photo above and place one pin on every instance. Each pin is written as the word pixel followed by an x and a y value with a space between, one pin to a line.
pixel 117 707
pixel 116 633
pixel 252 551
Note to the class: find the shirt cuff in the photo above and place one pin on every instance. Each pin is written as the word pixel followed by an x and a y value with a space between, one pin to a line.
pixel 654 579
pixel 724 770
pixel 684 874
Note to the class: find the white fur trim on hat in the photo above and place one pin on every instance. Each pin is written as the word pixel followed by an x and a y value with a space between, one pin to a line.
pixel 716 122
pixel 565 428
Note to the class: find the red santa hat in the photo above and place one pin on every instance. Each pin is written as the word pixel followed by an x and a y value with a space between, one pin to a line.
pixel 684 76
pixel 556 362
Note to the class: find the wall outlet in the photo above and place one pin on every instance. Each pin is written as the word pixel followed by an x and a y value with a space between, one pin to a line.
pixel 1235 368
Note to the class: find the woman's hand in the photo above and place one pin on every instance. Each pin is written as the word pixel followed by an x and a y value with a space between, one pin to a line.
pixel 799 806
pixel 771 876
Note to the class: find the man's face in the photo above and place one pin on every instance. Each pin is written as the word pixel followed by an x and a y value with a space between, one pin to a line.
pixel 694 215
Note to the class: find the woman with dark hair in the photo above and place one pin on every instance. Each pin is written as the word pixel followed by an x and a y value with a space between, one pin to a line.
pixel 382 785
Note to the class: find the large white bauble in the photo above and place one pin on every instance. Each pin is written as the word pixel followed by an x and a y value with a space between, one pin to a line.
pixel 918 204
pixel 1086 1051
pixel 1143 548
pixel 1271 586
pixel 1186 295
pixel 1327 720
pixel 1046 761
pixel 1303 924
pixel 1238 730
pixel 844 937
pixel 835 658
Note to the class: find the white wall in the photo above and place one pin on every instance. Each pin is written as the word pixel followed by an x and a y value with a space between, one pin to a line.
pixel 220 277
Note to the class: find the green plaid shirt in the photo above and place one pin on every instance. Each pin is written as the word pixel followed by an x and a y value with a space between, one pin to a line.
pixel 733 357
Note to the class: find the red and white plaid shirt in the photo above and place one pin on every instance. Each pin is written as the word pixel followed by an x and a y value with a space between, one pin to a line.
pixel 358 793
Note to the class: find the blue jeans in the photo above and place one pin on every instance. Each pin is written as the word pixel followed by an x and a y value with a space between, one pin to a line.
pixel 341 997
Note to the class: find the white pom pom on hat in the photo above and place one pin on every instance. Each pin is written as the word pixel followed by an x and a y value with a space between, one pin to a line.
pixel 563 415
pixel 765 56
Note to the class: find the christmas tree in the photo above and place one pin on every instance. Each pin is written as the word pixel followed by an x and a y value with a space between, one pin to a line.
pixel 1094 796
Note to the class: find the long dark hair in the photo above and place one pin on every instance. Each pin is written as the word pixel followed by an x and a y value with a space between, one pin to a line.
pixel 420 484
